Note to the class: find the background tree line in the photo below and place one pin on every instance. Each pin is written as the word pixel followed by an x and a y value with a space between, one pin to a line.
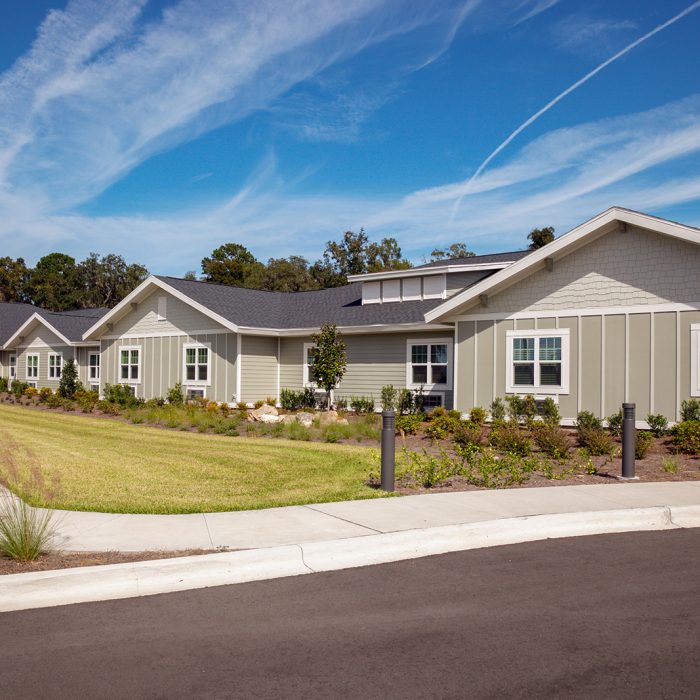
pixel 58 283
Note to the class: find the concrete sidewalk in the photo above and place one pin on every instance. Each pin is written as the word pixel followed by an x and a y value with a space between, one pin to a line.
pixel 334 521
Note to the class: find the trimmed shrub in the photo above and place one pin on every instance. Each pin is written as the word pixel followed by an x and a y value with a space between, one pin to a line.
pixel 686 437
pixel 442 424
pixel 586 419
pixel 690 410
pixel 596 440
pixel 86 400
pixel 615 424
pixel 405 401
pixel 291 400
pixel 408 424
pixel 552 440
pixel 477 415
pixel 121 395
pixel 515 408
pixel 550 411
pixel 657 424
pixel 175 396
pixel 362 404
pixel 498 409
pixel 642 444
pixel 389 397
pixel 508 437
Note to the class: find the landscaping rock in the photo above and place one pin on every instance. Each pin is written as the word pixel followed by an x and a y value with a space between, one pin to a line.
pixel 265 414
pixel 328 417
pixel 288 418
pixel 306 419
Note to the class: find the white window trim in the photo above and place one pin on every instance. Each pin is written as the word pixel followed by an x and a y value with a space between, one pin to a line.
pixel 429 388
pixel 90 367
pixel 563 388
pixel 32 384
pixel 131 382
pixel 12 366
pixel 441 394
pixel 695 359
pixel 32 376
pixel 59 355
pixel 305 365
pixel 195 383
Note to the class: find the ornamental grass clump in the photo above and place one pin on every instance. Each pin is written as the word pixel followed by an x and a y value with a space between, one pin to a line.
pixel 25 532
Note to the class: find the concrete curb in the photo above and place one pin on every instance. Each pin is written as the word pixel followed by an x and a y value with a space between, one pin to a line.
pixel 95 583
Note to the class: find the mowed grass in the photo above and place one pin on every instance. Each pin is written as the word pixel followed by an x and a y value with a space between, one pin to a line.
pixel 80 463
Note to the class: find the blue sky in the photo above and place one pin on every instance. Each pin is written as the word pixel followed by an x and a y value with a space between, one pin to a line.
pixel 160 130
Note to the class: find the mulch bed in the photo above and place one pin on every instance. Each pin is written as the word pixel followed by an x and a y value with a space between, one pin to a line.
pixel 66 560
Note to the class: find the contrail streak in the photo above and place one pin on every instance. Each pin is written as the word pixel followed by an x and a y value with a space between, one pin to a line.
pixel 568 91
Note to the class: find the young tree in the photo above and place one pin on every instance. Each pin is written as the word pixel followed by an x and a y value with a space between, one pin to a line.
pixel 456 250
pixel 69 383
pixel 539 237
pixel 329 358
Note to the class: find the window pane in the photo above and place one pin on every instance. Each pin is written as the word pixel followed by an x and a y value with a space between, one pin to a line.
pixel 550 349
pixel 203 355
pixel 190 354
pixel 524 374
pixel 438 354
pixel 550 374
pixel 523 349
pixel 311 356
pixel 439 374
pixel 190 372
pixel 419 354
pixel 134 371
pixel 125 371
pixel 134 357
pixel 420 374
pixel 125 357
pixel 202 373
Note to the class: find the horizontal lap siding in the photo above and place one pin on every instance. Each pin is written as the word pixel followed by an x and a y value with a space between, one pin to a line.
pixel 258 368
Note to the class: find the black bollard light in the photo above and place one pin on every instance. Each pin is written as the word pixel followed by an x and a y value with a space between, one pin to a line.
pixel 629 438
pixel 388 449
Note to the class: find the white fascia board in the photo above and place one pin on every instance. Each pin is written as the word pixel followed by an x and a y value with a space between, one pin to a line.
pixel 138 293
pixel 425 271
pixel 35 317
pixel 560 247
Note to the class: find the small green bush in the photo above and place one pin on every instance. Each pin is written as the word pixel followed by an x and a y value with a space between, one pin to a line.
pixel 670 465
pixel 690 410
pixel 18 388
pixel 405 401
pixel 550 411
pixel 296 431
pixel 642 444
pixel 44 393
pixel 106 407
pixel 389 398
pixel 515 408
pixel 596 440
pixel 468 434
pixel 121 395
pixel 442 424
pixel 586 419
pixel 86 400
pixel 291 400
pixel 657 424
pixel 686 436
pixel 69 383
pixel 508 437
pixel 552 440
pixel 498 409
pixel 408 424
pixel 362 404
pixel 4 386
pixel 175 395
pixel 477 415
pixel 615 424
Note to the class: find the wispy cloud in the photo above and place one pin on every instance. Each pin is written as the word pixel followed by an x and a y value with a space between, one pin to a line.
pixel 585 34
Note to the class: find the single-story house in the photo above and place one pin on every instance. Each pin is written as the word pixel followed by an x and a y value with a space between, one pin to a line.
pixel 608 312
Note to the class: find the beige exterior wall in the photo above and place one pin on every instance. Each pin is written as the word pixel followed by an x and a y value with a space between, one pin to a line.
pixel 42 342
pixel 374 360
pixel 640 357
pixel 620 269
pixel 82 358
pixel 162 363
pixel 258 368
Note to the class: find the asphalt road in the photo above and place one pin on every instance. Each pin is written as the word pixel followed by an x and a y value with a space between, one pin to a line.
pixel 599 617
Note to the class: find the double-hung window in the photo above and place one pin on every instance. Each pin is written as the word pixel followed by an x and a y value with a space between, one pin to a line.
pixel 310 378
pixel 13 366
pixel 55 365
pixel 94 366
pixel 538 361
pixel 32 366
pixel 130 365
pixel 428 363
pixel 197 359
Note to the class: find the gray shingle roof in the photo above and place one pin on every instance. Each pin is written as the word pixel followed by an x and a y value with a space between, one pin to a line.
pixel 72 324
pixel 257 309
pixel 12 316
pixel 479 259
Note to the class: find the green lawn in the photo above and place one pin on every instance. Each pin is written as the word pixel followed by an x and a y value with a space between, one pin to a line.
pixel 82 463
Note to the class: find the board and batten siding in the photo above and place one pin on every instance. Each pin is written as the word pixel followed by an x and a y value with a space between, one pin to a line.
pixel 374 360
pixel 82 357
pixel 42 342
pixel 638 356
pixel 162 363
